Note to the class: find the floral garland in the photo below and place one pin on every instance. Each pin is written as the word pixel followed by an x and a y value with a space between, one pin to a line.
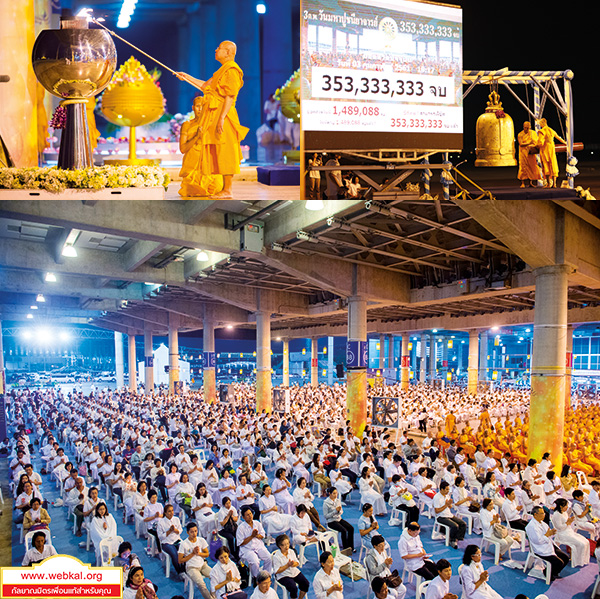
pixel 56 180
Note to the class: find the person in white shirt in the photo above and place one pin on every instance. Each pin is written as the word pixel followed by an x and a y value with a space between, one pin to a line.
pixel 540 536
pixel 263 589
pixel 249 536
pixel 512 510
pixel 225 577
pixel 594 498
pixel 39 550
pixel 327 582
pixel 414 555
pixel 169 534
pixel 441 505
pixel 439 587
pixel 474 578
pixel 286 570
pixel 193 553
pixel 563 520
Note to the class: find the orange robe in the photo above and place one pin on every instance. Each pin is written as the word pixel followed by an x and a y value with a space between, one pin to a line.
pixel 546 137
pixel 528 166
pixel 222 153
pixel 194 182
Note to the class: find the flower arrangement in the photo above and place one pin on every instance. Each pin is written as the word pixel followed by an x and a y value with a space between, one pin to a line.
pixel 59 118
pixel 56 180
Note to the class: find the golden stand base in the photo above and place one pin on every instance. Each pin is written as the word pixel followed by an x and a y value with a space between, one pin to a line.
pixel 133 162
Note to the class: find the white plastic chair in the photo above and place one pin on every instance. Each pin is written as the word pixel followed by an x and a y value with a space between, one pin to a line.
pixel 421 589
pixel 105 552
pixel 596 585
pixel 188 585
pixel 437 529
pixel 533 558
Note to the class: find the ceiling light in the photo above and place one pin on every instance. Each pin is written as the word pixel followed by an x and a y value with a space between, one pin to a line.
pixel 34 307
pixel 314 205
pixel 202 256
pixel 229 327
pixel 261 8
pixel 40 298
pixel 69 251
pixel 50 277
pixel 30 316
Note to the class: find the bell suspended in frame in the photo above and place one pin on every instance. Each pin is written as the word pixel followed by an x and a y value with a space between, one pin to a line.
pixel 495 135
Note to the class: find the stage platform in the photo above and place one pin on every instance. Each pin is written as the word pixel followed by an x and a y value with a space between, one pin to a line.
pixel 527 193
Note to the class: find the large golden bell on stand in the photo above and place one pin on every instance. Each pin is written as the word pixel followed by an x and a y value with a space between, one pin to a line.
pixel 495 136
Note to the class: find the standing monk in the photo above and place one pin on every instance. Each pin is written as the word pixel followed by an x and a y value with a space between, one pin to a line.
pixel 221 129
pixel 545 142
pixel 528 166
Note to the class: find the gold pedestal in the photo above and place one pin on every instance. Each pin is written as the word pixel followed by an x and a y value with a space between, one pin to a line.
pixel 133 160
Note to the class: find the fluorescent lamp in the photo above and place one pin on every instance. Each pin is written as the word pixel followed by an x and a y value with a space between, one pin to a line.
pixel 314 205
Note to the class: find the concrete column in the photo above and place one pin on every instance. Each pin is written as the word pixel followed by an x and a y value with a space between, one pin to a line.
pixel 356 393
pixel 381 353
pixel 173 351
pixel 314 362
pixel 209 371
pixel 445 367
pixel 330 365
pixel 548 370
pixel 263 362
pixel 148 361
pixel 423 365
pixel 432 360
pixel 286 363
pixel 483 349
pixel 2 371
pixel 132 362
pixel 119 371
pixel 405 362
pixel 472 369
pixel 569 367
pixel 18 97
pixel 391 353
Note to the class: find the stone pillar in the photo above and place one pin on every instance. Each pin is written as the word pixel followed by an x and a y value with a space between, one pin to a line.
pixel 391 352
pixel 2 373
pixel 286 363
pixel 432 360
pixel 423 365
pixel 405 362
pixel 263 362
pixel 472 369
pixel 381 365
pixel 173 351
pixel 18 97
pixel 483 349
pixel 209 360
pixel 330 365
pixel 314 362
pixel 356 358
pixel 132 362
pixel 569 367
pixel 445 367
pixel 148 361
pixel 119 370
pixel 548 370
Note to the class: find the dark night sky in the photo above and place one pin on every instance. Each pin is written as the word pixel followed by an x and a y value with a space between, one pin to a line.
pixel 531 36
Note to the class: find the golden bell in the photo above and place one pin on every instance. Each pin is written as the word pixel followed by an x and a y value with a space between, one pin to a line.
pixel 495 136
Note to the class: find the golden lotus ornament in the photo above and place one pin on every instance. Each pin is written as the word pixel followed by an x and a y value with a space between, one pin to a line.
pixel 132 100
pixel 495 135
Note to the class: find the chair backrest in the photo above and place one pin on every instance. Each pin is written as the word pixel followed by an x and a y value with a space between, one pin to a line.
pixel 29 538
pixel 106 549
pixel 422 588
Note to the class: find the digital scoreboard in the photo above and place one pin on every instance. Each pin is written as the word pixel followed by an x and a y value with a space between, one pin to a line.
pixel 381 74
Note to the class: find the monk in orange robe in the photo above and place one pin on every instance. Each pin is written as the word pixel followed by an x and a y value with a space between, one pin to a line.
pixel 222 132
pixel 545 142
pixel 528 166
